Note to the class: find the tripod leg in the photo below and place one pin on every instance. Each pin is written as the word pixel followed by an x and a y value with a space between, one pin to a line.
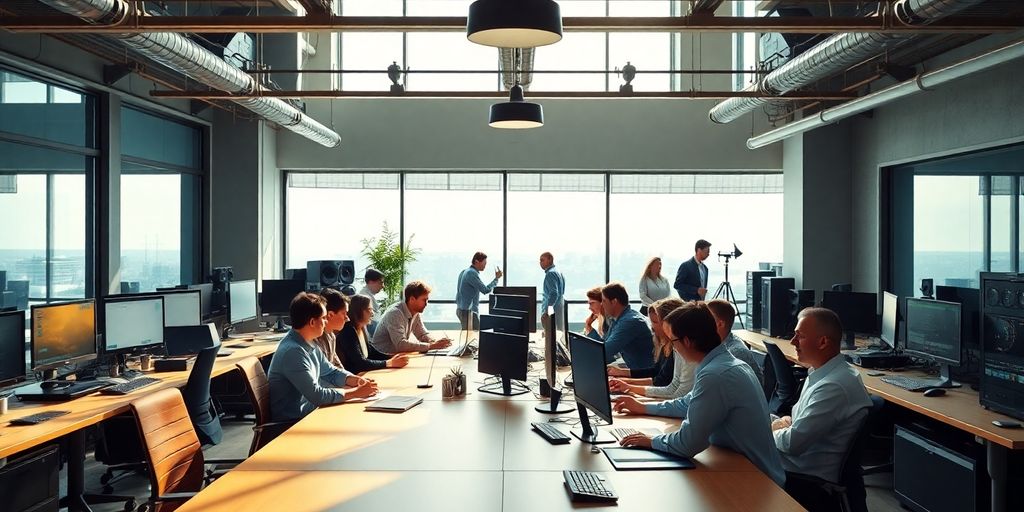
pixel 718 293
pixel 732 298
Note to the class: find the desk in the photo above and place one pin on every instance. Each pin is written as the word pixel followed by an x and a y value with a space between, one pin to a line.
pixel 477 452
pixel 959 408
pixel 90 410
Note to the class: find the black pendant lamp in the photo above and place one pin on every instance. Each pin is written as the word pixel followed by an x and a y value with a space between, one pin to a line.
pixel 517 113
pixel 514 23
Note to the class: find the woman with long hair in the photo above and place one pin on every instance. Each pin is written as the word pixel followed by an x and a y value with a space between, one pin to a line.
pixel 653 285
pixel 670 377
pixel 357 354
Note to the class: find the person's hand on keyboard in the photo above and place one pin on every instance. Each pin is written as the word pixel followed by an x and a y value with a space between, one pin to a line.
pixel 628 405
pixel 618 386
pixel 637 440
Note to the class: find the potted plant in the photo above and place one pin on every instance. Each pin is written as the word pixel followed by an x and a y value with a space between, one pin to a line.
pixel 391 258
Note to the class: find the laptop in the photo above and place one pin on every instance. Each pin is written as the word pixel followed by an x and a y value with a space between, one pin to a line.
pixel 457 349
pixel 394 403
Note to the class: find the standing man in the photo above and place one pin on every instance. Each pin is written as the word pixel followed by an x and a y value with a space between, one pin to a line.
pixel 692 277
pixel 554 293
pixel 374 280
pixel 628 333
pixel 401 328
pixel 467 294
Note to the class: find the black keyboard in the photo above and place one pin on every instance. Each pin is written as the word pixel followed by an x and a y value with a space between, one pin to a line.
pixel 909 383
pixel 549 432
pixel 589 486
pixel 39 417
pixel 127 387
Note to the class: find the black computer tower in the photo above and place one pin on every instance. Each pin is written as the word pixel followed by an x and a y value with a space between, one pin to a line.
pixel 775 305
pixel 754 278
pixel 1002 349
pixel 29 482
pixel 936 472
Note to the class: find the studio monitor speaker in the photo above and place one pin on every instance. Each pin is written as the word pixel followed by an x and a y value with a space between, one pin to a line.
pixel 329 273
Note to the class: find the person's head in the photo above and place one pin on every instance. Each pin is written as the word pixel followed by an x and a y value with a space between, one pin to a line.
pixel 702 249
pixel 614 299
pixel 360 310
pixel 308 315
pixel 657 311
pixel 374 280
pixel 594 300
pixel 336 304
pixel 417 293
pixel 479 261
pixel 725 316
pixel 653 268
pixel 691 328
pixel 546 260
pixel 817 337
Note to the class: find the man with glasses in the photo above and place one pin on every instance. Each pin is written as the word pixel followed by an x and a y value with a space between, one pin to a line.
pixel 300 377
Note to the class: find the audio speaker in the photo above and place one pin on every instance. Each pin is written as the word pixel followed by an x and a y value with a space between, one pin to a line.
pixel 775 305
pixel 927 288
pixel 329 274
pixel 130 287
pixel 221 275
pixel 754 278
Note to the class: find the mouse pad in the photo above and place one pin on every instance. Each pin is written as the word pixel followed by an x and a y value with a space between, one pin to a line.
pixel 639 458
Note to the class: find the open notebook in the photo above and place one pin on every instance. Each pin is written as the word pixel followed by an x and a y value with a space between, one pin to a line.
pixel 394 403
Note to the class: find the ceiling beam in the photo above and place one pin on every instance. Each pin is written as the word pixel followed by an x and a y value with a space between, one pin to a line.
pixel 698 23
pixel 214 95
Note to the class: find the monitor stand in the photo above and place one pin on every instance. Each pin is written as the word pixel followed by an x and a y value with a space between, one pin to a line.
pixel 589 433
pixel 51 383
pixel 945 379
pixel 553 407
pixel 505 388
pixel 279 326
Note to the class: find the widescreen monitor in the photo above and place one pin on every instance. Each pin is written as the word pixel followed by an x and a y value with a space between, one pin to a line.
pixel 502 322
pixel 276 297
pixel 63 333
pixel 242 301
pixel 857 310
pixel 890 307
pixel 12 347
pixel 503 354
pixel 933 332
pixel 551 350
pixel 133 324
pixel 205 297
pixel 514 302
pixel 970 310
pixel 529 291
pixel 182 308
pixel 590 385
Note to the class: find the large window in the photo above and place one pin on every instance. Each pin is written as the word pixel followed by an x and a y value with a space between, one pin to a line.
pixel 744 46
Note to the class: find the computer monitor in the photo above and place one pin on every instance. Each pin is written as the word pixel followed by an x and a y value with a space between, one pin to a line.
pixel 529 291
pixel 590 383
pixel 276 297
pixel 890 305
pixel 551 350
pixel 63 334
pixel 933 332
pixel 132 323
pixel 514 302
pixel 12 347
pixel 242 301
pixel 969 300
pixel 503 354
pixel 857 311
pixel 182 307
pixel 515 322
pixel 205 297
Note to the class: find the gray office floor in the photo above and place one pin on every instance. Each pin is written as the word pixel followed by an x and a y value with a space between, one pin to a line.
pixel 236 445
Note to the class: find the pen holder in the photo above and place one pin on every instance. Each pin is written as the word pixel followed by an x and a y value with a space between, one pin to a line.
pixel 460 385
pixel 448 385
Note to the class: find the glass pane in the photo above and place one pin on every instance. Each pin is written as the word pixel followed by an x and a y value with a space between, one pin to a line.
pixel 368 201
pixel 370 50
pixel 371 7
pixel 151 229
pixel 23 243
pixel 450 51
pixel 464 217
pixel 948 230
pixel 582 8
pixel 569 224
pixel 151 137
pixel 582 51
pixel 24 109
pixel 1001 224
pixel 438 8
pixel 640 7
pixel 647 52
pixel 68 264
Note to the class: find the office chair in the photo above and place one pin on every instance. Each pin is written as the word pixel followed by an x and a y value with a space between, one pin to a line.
pixel 788 381
pixel 258 388
pixel 877 403
pixel 196 395
pixel 174 457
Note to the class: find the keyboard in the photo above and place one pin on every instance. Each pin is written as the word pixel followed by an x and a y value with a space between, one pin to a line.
pixel 909 383
pixel 128 387
pixel 621 432
pixel 549 432
pixel 39 417
pixel 589 486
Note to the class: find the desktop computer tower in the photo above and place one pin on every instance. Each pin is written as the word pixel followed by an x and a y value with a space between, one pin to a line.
pixel 754 278
pixel 1002 343
pixel 936 472
pixel 775 305
pixel 29 482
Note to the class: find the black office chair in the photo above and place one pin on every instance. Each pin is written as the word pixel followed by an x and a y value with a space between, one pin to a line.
pixel 196 394
pixel 788 381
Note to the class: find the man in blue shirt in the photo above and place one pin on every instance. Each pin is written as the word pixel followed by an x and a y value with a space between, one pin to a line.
pixel 467 294
pixel 726 406
pixel 554 293
pixel 300 377
pixel 692 276
pixel 627 333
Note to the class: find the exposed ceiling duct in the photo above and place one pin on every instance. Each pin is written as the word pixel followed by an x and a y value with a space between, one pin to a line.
pixel 508 67
pixel 182 54
pixel 836 54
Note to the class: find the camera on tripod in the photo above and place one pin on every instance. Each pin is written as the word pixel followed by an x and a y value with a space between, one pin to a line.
pixel 736 253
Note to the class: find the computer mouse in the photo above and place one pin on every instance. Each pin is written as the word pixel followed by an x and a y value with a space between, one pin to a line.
pixel 935 392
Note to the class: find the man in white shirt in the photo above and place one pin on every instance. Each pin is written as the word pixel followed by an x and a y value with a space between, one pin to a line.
pixel 831 407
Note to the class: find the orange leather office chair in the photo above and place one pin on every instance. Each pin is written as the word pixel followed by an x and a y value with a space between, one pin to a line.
pixel 258 388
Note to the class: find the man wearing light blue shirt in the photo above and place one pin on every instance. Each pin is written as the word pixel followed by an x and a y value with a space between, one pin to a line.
pixel 554 292
pixel 467 294
pixel 726 406
pixel 628 333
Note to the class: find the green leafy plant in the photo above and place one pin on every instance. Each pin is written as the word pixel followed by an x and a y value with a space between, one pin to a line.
pixel 389 256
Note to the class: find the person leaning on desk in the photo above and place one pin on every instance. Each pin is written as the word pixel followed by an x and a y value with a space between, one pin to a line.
pixel 301 379
pixel 402 321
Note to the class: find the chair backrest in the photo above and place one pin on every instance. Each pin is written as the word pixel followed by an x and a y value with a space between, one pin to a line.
pixel 851 473
pixel 173 453
pixel 196 394
pixel 257 387
pixel 787 387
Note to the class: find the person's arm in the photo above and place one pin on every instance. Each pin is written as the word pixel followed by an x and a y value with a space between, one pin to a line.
pixel 816 420
pixel 478 284
pixel 336 376
pixel 645 297
pixel 550 291
pixel 682 277
pixel 615 341
pixel 675 408
pixel 348 345
pixel 298 369
pixel 707 409
pixel 421 332
pixel 399 336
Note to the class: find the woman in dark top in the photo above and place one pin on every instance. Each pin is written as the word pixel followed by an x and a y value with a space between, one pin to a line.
pixel 357 354
pixel 632 380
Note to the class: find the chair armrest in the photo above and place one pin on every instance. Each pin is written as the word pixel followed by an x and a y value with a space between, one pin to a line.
pixel 272 424
pixel 825 485
pixel 214 462
pixel 176 496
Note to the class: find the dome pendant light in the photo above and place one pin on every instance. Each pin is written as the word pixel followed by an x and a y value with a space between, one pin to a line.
pixel 517 113
pixel 514 23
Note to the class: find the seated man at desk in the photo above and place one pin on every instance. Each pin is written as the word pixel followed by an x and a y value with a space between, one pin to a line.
pixel 726 406
pixel 300 377
pixel 627 333
pixel 402 322
pixel 725 316
pixel 830 410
